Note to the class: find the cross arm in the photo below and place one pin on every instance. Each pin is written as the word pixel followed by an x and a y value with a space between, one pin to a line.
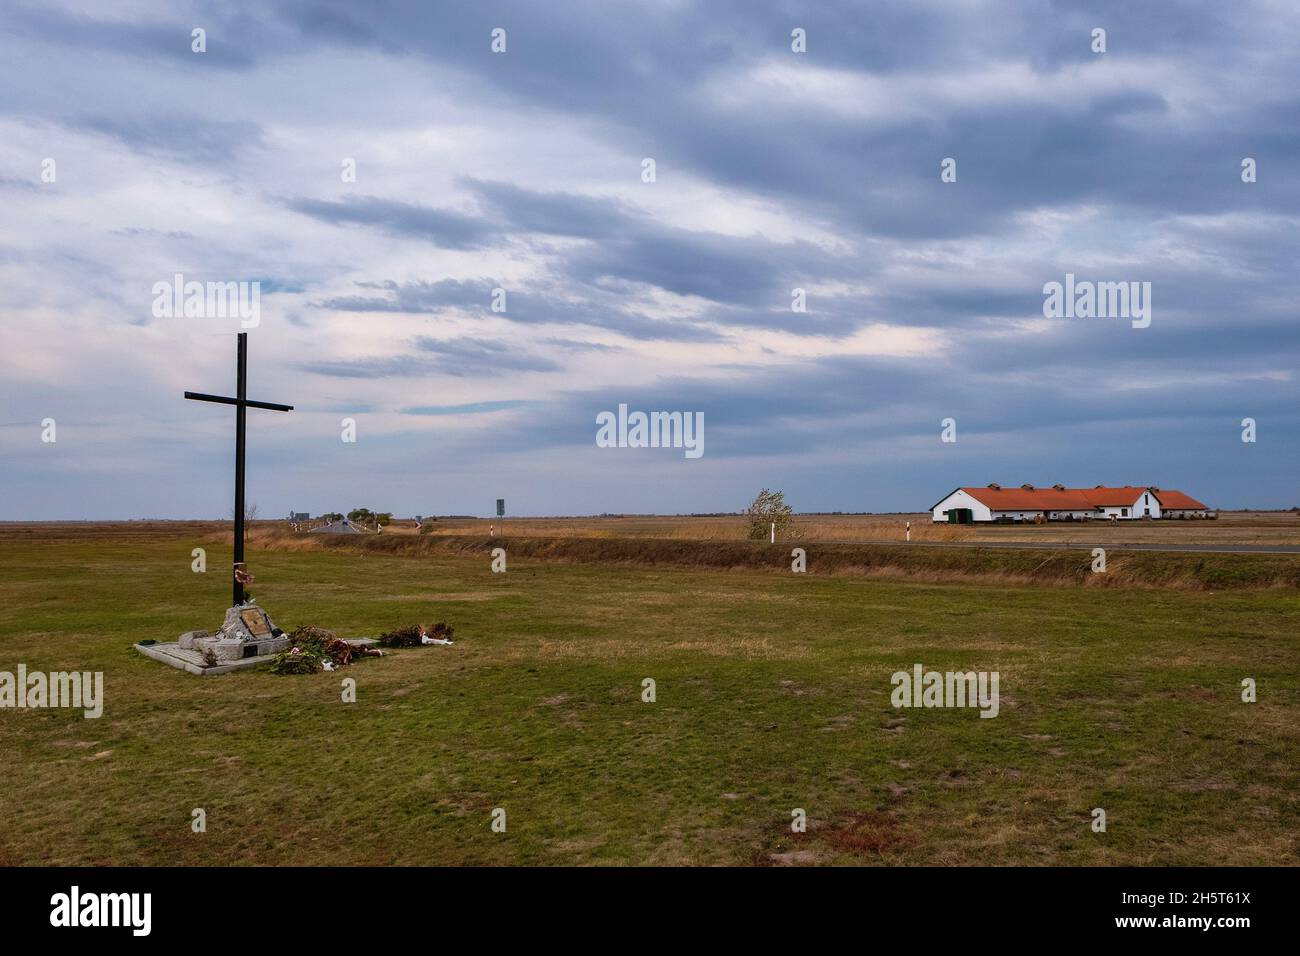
pixel 224 400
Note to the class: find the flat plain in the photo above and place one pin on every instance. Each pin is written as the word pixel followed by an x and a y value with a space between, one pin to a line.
pixel 772 694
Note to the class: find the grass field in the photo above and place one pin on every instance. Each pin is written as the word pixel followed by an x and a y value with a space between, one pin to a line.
pixel 1260 527
pixel 773 693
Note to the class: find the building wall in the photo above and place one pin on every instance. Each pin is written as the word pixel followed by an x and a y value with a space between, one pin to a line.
pixel 1147 500
pixel 1137 509
pixel 959 499
pixel 1018 515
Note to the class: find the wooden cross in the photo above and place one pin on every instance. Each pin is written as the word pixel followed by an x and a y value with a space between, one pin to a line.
pixel 242 403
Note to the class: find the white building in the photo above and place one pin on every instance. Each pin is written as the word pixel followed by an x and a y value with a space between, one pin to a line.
pixel 1058 503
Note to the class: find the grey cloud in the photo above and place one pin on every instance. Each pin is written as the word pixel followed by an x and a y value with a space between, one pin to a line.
pixel 230 38
pixel 143 232
pixel 460 357
pixel 561 214
pixel 470 408
pixel 442 227
pixel 577 345
pixel 467 356
pixel 628 248
pixel 547 305
pixel 187 137
pixel 414 296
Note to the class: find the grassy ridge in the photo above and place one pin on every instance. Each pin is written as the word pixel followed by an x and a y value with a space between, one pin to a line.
pixel 1206 571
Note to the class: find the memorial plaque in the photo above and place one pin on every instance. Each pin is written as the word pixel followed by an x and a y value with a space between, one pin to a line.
pixel 255 621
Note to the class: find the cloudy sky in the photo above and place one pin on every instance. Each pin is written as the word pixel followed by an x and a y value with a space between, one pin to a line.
pixel 524 171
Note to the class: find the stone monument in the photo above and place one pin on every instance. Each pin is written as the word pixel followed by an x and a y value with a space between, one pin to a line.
pixel 246 632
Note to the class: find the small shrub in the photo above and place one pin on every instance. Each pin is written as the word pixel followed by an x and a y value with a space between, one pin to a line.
pixel 323 643
pixel 408 636
pixel 296 661
pixel 412 634
pixel 310 634
pixel 768 509
pixel 441 631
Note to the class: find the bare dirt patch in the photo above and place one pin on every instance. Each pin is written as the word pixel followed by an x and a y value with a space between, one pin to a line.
pixel 871 833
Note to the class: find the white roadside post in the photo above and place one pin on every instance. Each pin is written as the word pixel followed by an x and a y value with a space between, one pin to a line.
pixel 909 531
pixel 774 532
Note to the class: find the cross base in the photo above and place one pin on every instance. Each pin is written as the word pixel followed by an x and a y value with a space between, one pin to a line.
pixel 246 632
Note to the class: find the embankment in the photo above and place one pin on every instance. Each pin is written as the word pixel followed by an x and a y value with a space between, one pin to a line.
pixel 1151 569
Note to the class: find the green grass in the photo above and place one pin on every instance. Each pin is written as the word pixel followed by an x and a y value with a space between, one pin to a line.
pixel 773 693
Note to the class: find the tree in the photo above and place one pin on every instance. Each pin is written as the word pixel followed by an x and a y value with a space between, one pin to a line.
pixel 250 511
pixel 383 517
pixel 332 516
pixel 360 515
pixel 768 509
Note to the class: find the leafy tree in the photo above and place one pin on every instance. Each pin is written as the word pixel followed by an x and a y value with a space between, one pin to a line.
pixel 767 509
pixel 332 516
pixel 360 515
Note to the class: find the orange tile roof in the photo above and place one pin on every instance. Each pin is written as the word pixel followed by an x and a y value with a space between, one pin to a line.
pixel 1076 499
pixel 1113 497
pixel 1169 498
pixel 1039 499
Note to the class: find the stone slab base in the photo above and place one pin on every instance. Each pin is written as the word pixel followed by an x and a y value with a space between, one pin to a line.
pixel 192 661
pixel 184 659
